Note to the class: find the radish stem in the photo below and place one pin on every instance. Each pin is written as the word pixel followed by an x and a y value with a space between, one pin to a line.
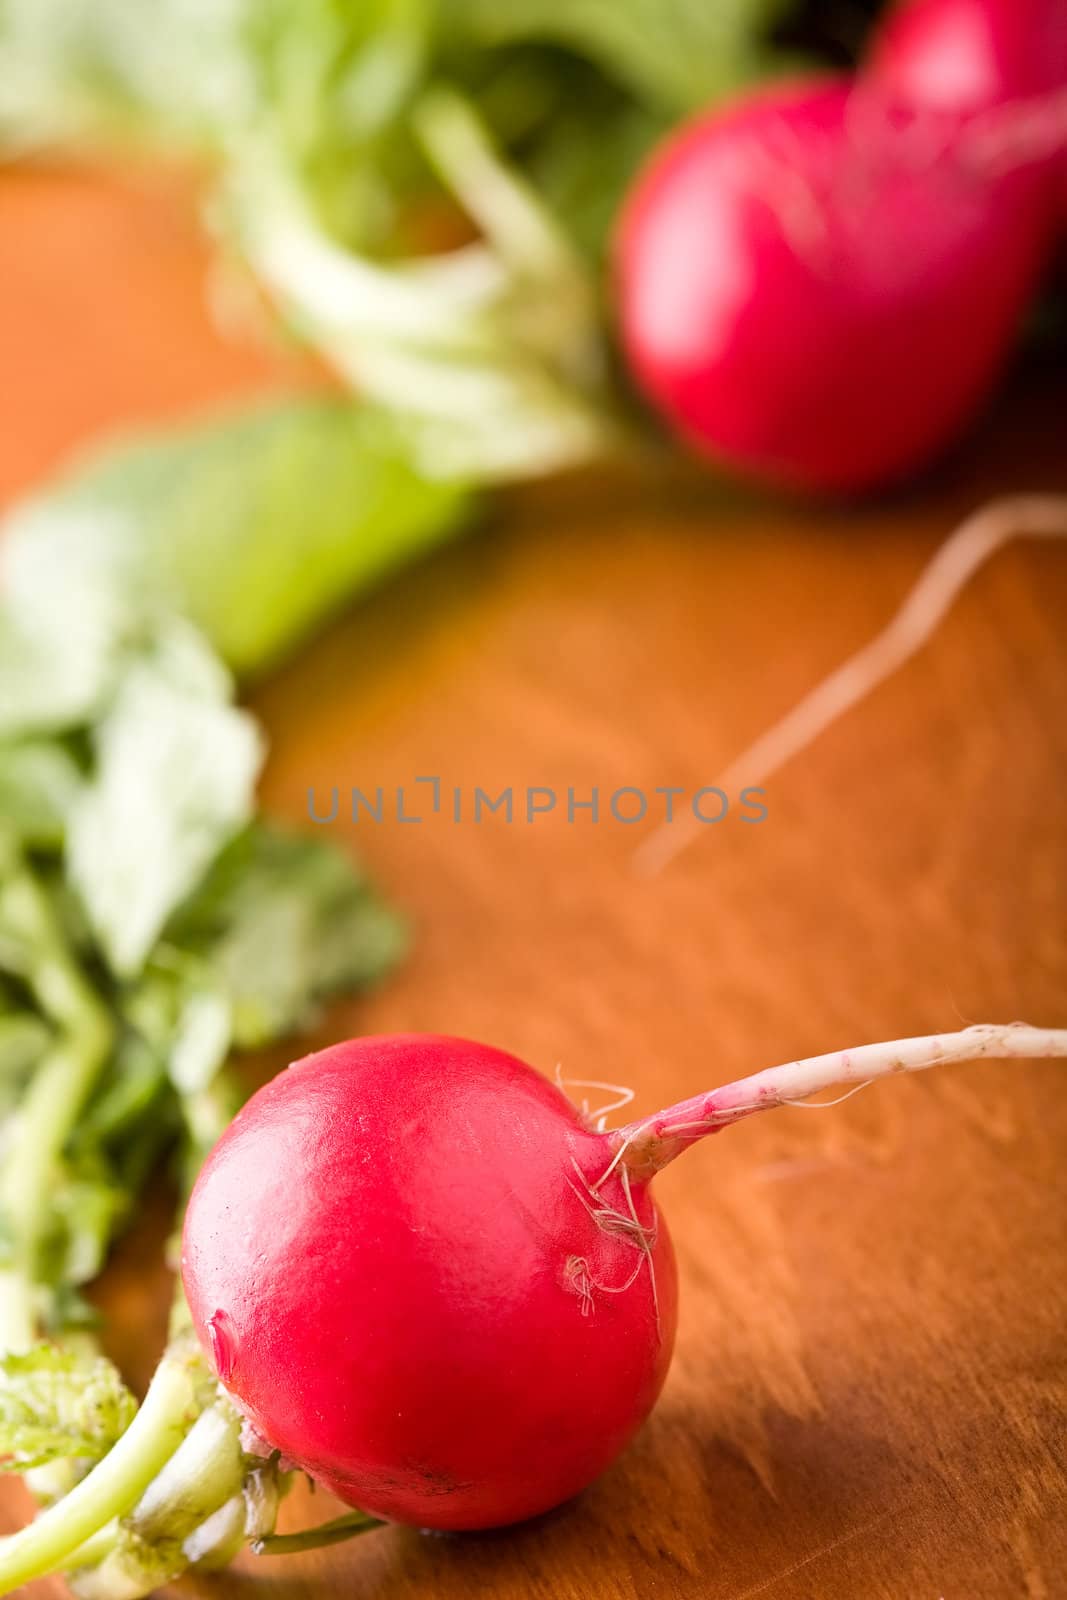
pixel 348 1526
pixel 114 1486
pixel 647 1146
pixel 62 1081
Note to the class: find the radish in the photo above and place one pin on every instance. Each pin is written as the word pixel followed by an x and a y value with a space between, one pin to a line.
pixel 400 1268
pixel 968 56
pixel 820 289
pixel 1002 59
pixel 427 1280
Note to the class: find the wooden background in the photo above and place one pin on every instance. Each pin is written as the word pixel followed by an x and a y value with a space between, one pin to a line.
pixel 868 1395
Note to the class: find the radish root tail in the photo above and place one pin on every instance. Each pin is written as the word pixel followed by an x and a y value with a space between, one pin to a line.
pixel 646 1147
pixel 948 572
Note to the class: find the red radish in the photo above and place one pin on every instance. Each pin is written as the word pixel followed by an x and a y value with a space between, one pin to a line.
pixel 400 1269
pixel 425 1279
pixel 967 56
pixel 819 290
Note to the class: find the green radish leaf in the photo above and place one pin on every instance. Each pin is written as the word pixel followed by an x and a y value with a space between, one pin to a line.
pixel 252 524
pixel 88 1204
pixel 58 1405
pixel 24 1038
pixel 39 784
pixel 63 616
pixel 176 766
pixel 675 55
pixel 282 922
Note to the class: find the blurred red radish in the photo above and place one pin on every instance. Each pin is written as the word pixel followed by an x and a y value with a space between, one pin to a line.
pixel 429 1281
pixel 966 56
pixel 969 57
pixel 821 291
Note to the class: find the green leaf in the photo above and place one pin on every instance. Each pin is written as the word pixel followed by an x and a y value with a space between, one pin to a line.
pixel 95 70
pixel 321 78
pixel 63 616
pixel 125 1115
pixel 87 1205
pixel 56 1405
pixel 39 784
pixel 23 1040
pixel 176 768
pixel 280 923
pixel 676 55
pixel 252 524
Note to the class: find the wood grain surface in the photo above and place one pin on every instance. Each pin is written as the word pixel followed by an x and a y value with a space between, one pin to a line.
pixel 868 1399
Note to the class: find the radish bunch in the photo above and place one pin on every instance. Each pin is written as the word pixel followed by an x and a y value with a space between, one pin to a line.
pixel 820 284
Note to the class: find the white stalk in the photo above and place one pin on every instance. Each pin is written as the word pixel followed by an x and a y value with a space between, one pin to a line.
pixel 113 1487
pixel 645 1147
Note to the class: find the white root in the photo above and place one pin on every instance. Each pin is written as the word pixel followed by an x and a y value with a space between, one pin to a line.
pixel 597 1120
pixel 625 1225
pixel 645 1147
pixel 959 558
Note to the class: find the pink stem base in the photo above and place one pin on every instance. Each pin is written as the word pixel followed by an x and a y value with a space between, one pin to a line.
pixel 647 1146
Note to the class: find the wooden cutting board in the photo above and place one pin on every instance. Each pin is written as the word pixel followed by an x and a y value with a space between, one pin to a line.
pixel 868 1399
